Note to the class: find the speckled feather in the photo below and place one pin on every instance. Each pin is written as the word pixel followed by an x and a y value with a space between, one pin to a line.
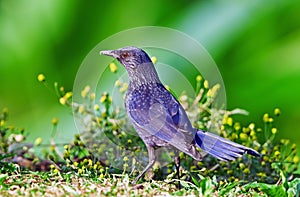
pixel 143 97
pixel 168 122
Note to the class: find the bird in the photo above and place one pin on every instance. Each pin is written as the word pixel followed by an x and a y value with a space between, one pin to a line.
pixel 158 117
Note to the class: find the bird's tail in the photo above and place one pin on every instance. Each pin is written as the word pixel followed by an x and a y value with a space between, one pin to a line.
pixel 221 148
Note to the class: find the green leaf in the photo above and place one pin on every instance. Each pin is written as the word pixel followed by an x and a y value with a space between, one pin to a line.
pixel 294 187
pixel 2 179
pixel 195 181
pixel 227 188
pixel 269 189
pixel 207 187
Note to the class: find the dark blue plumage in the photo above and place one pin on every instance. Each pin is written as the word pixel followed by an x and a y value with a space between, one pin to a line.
pixel 158 117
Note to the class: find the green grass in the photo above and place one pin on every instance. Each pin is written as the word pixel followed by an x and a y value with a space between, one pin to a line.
pixel 28 183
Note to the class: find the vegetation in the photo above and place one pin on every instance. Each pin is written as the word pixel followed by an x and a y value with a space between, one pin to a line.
pixel 107 154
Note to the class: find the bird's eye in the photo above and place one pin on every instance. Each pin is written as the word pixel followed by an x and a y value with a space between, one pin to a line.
pixel 124 55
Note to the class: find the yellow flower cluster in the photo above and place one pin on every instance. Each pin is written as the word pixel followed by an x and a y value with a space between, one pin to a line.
pixel 64 100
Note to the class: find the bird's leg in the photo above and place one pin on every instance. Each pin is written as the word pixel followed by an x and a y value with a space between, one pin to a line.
pixel 152 158
pixel 177 166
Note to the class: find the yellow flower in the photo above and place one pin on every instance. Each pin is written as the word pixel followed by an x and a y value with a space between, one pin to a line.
pixel 284 141
pixel 261 174
pixel 99 120
pixel 2 123
pixel 246 171
pixel 277 153
pixel 234 136
pixel 237 126
pixel 277 112
pixel 212 92
pixel 229 171
pixel 96 107
pixel 41 78
pixel 270 120
pixel 68 95
pixel 153 59
pixel 209 93
pixel 38 141
pixel 92 96
pixel 103 98
pixel 205 84
pixel 54 121
pixel 246 130
pixel 266 117
pixel 225 118
pixel 229 121
pixel 101 170
pixel 95 166
pixel 264 151
pixel 222 128
pixel 198 78
pixel 63 100
pixel 66 147
pixel 118 83
pixel 243 136
pixel 251 126
pixel 124 87
pixel 125 165
pixel 81 109
pixel 85 91
pixel 56 171
pixel 113 67
pixel 274 130
pixel 181 155
pixel 52 148
pixel 242 166
pixel 296 159
pixel 125 159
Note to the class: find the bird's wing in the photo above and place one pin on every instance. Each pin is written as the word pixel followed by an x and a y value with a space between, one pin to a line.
pixel 161 115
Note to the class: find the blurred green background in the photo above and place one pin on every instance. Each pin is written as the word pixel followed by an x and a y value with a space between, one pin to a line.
pixel 255 43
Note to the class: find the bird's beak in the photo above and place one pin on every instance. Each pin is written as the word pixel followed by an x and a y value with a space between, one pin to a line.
pixel 112 53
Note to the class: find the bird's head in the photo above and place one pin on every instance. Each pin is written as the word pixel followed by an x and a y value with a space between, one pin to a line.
pixel 130 57
pixel 137 63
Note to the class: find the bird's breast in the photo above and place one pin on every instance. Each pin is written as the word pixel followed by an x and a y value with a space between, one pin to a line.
pixel 146 95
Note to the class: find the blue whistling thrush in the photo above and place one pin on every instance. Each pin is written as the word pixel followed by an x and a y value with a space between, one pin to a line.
pixel 158 117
